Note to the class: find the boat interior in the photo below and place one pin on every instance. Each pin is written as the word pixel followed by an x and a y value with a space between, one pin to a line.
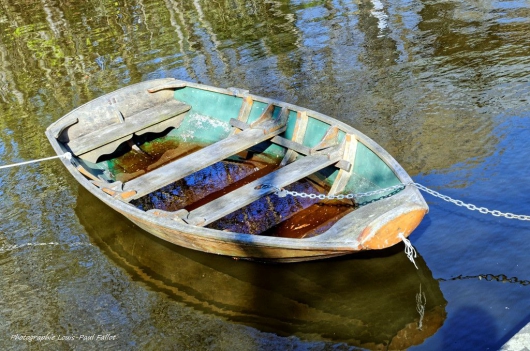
pixel 216 160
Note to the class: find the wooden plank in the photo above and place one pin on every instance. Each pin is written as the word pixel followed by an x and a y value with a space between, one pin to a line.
pixel 287 143
pixel 203 158
pixel 130 125
pixel 86 173
pixel 298 136
pixel 244 112
pixel 350 148
pixel 170 85
pixel 265 116
pixel 345 165
pixel 300 127
pixel 239 124
pixel 330 139
pixel 176 215
pixel 251 192
pixel 278 140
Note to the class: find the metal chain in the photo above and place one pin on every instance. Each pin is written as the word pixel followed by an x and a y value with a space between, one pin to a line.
pixel 284 193
pixel 471 207
pixel 503 278
pixel 395 189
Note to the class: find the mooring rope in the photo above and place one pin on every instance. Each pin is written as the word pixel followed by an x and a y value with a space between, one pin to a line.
pixel 8 248
pixel 66 156
pixel 410 251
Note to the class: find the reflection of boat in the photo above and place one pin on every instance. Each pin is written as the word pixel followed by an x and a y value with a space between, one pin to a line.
pixel 200 167
pixel 364 301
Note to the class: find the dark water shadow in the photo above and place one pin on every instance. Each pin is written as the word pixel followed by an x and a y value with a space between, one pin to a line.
pixel 367 300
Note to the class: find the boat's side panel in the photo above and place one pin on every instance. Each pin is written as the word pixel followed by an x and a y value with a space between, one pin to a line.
pixel 236 249
pixel 208 103
pixel 315 131
pixel 291 125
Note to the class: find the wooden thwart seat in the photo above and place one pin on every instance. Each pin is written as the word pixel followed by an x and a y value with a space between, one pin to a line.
pixel 268 184
pixel 203 158
pixel 133 124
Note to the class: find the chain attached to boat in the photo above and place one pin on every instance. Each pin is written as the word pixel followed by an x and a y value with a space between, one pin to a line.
pixel 389 191
pixel 501 278
pixel 471 207
pixel 409 249
pixel 284 193
pixel 395 189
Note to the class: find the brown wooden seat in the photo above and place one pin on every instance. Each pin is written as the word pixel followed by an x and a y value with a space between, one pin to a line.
pixel 267 184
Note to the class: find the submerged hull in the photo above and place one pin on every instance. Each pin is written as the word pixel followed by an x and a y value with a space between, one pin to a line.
pixel 212 191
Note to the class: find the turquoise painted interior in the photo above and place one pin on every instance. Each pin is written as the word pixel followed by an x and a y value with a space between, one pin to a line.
pixel 315 132
pixel 370 172
pixel 257 109
pixel 208 103
pixel 217 109
pixel 208 121
pixel 291 122
pixel 209 118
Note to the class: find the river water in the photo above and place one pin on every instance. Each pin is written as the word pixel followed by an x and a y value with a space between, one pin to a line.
pixel 442 85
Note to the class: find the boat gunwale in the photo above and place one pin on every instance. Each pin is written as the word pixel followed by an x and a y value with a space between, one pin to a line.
pixel 321 242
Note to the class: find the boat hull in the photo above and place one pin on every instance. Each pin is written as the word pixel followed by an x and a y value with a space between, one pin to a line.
pixel 375 225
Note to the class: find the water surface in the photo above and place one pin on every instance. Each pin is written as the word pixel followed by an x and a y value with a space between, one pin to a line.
pixel 444 86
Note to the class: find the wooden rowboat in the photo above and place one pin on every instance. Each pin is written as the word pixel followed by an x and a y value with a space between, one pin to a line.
pixel 201 167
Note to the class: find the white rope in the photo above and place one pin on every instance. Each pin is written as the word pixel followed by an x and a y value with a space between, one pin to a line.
pixel 410 251
pixel 421 301
pixel 7 248
pixel 67 156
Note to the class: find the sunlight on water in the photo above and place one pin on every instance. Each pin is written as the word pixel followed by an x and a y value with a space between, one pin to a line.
pixel 443 86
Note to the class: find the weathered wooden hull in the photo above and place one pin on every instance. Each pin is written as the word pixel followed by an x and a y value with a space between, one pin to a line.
pixel 376 225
